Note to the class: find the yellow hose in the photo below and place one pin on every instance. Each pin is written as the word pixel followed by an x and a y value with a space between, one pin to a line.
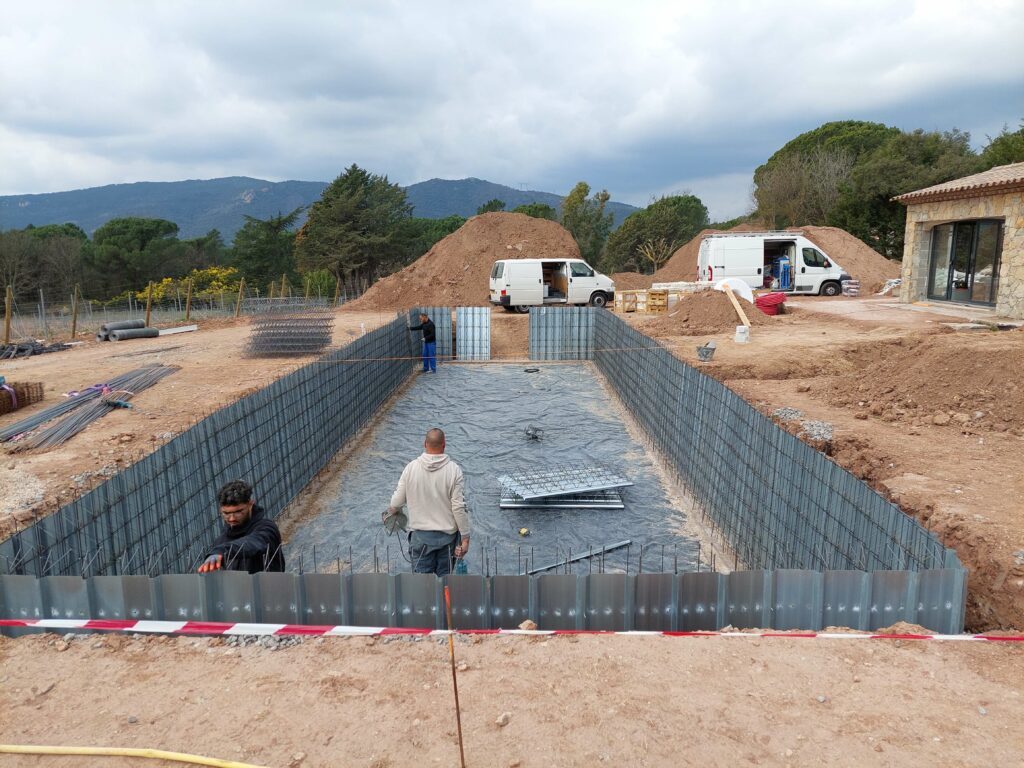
pixel 154 754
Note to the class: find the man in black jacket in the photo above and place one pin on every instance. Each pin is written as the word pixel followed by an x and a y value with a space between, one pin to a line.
pixel 250 540
pixel 429 343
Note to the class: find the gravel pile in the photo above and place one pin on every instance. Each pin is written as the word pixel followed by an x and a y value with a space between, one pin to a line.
pixel 816 430
pixel 787 414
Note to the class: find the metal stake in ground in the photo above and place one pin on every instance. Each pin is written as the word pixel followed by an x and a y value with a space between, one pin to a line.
pixel 455 679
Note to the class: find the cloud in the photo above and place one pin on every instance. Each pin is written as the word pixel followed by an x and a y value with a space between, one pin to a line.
pixel 629 97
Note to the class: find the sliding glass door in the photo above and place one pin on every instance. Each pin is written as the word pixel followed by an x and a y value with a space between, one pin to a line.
pixel 965 262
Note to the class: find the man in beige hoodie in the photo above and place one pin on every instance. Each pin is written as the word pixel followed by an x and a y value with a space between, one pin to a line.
pixel 432 486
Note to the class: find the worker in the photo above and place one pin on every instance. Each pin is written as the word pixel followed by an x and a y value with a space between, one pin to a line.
pixel 250 540
pixel 429 342
pixel 432 486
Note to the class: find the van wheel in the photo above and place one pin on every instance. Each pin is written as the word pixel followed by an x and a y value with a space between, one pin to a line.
pixel 521 309
pixel 598 299
pixel 831 289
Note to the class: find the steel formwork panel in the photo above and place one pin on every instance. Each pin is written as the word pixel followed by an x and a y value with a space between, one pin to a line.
pixel 473 333
pixel 688 602
pixel 566 480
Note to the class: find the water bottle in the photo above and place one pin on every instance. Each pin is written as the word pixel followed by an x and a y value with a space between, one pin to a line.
pixel 460 567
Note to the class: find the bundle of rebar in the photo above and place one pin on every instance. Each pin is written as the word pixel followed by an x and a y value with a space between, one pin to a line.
pixel 291 331
pixel 15 395
pixel 28 349
pixel 108 396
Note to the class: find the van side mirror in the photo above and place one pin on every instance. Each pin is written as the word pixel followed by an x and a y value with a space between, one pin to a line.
pixel 827 263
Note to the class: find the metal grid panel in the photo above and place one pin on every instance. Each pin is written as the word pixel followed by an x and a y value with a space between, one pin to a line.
pixel 608 499
pixel 473 333
pixel 561 333
pixel 560 481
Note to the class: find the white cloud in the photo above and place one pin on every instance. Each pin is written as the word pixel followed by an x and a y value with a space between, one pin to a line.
pixel 546 92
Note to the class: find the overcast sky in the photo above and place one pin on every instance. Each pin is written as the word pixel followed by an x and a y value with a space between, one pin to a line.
pixel 641 98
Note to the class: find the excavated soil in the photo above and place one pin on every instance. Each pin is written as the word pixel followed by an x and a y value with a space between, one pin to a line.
pixel 631 281
pixel 702 313
pixel 455 272
pixel 858 259
pixel 525 702
pixel 945 380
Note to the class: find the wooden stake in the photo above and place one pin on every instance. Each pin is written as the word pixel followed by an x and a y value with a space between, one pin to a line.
pixel 736 305
pixel 270 294
pixel 337 290
pixel 241 291
pixel 283 283
pixel 188 301
pixel 455 679
pixel 74 313
pixel 149 302
pixel 8 308
pixel 308 283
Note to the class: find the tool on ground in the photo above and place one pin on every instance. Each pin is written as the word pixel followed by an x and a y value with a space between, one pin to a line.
pixel 534 433
pixel 706 351
pixel 455 679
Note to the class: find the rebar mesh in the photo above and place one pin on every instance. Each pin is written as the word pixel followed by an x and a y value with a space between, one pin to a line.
pixel 291 330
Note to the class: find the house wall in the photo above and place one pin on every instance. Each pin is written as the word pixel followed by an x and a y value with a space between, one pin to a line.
pixel 923 217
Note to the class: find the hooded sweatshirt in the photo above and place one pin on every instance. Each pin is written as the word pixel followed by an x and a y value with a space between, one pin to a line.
pixel 432 487
pixel 253 546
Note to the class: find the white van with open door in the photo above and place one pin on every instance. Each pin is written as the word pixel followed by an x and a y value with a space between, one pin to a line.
pixel 518 284
pixel 781 261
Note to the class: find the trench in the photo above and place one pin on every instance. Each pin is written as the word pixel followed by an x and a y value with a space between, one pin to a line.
pixel 819 546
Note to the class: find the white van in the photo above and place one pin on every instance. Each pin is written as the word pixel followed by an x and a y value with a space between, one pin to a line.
pixel 781 261
pixel 518 284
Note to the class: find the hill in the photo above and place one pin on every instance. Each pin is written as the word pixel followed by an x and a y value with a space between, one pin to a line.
pixel 197 206
pixel 438 198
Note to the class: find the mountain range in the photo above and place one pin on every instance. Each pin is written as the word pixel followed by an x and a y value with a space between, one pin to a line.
pixel 198 206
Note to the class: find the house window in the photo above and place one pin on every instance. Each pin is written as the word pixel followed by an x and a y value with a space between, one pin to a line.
pixel 964 264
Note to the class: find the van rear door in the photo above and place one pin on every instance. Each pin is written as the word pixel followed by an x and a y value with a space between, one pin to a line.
pixel 524 283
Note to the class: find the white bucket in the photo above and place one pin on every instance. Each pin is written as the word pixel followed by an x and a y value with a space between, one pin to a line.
pixel 742 334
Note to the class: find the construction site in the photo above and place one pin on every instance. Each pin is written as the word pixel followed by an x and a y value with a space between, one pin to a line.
pixel 705 531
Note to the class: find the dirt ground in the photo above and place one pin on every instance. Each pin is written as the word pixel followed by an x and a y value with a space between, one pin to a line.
pixel 569 700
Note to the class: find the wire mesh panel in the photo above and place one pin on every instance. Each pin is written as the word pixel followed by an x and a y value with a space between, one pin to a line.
pixel 564 480
pixel 473 333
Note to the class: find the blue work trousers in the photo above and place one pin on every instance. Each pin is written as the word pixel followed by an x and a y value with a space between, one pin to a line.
pixel 430 356
pixel 433 551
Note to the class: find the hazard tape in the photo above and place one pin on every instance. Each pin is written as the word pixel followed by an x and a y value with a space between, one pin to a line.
pixel 311 630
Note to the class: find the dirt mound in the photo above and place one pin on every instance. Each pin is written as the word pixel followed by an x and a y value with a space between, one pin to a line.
pixel 456 270
pixel 970 383
pixel 860 260
pixel 631 281
pixel 702 313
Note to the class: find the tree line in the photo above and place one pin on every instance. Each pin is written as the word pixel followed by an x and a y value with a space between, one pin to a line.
pixel 842 174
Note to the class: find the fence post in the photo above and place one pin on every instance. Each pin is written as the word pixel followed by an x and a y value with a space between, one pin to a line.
pixel 270 295
pixel 241 290
pixel 308 282
pixel 149 302
pixel 337 290
pixel 42 315
pixel 8 307
pixel 283 279
pixel 74 313
pixel 188 301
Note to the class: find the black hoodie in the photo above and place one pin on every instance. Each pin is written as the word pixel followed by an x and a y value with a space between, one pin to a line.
pixel 253 547
pixel 429 332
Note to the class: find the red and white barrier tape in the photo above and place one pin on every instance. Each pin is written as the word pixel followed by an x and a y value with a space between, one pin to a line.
pixel 285 630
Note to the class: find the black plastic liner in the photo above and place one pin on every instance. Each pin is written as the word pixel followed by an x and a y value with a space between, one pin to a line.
pixel 485 412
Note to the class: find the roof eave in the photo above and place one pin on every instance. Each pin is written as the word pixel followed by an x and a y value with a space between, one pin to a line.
pixel 912 198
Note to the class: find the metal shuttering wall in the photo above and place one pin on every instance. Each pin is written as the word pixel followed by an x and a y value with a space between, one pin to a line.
pixel 473 333
pixel 684 602
pixel 159 514
pixel 561 333
pixel 780 503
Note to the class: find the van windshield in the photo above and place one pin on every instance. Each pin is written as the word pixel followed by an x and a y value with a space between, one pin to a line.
pixel 498 270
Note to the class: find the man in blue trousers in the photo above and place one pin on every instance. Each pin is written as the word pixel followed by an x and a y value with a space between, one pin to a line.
pixel 429 343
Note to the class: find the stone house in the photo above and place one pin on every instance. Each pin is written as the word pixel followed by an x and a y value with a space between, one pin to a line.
pixel 965 241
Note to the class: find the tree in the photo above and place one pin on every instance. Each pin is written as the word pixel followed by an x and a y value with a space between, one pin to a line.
pixel 127 253
pixel 1004 149
pixel 206 251
pixel 640 242
pixel 59 258
pixel 352 230
pixel 538 211
pixel 265 248
pixel 491 206
pixel 19 259
pixel 905 162
pixel 586 220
